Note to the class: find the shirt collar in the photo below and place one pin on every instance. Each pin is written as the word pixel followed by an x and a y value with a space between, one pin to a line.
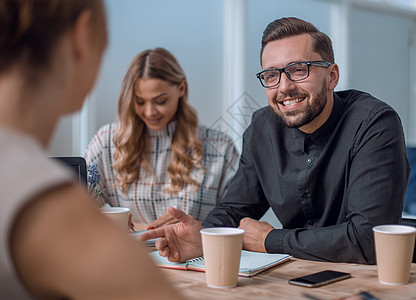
pixel 169 130
pixel 321 136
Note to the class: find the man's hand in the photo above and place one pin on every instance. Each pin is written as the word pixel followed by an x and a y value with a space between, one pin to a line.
pixel 255 234
pixel 180 241
pixel 163 220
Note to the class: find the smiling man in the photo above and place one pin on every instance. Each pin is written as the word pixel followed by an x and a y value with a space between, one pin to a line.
pixel 300 103
pixel 330 164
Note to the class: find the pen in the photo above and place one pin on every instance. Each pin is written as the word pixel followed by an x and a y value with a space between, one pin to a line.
pixel 309 296
pixel 367 296
pixel 362 296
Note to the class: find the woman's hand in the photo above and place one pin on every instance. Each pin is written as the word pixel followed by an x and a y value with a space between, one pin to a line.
pixel 163 220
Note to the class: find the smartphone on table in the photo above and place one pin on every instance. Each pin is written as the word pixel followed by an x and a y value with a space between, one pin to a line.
pixel 320 278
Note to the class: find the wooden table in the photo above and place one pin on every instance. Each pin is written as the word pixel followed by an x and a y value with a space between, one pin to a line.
pixel 273 283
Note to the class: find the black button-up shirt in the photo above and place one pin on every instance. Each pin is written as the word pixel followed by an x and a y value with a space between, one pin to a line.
pixel 328 188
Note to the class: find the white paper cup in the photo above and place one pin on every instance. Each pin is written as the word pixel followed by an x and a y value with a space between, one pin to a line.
pixel 118 215
pixel 394 246
pixel 222 252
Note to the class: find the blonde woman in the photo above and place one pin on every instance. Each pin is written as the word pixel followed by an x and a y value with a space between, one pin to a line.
pixel 157 155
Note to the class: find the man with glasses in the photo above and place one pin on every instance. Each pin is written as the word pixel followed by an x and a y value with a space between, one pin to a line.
pixel 330 164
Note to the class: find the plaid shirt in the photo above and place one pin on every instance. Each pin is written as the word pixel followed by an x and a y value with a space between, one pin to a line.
pixel 147 198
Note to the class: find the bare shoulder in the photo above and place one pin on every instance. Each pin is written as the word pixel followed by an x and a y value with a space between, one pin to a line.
pixel 62 232
pixel 45 227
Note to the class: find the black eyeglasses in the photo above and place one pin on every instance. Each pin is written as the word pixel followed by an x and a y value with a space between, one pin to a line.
pixel 295 71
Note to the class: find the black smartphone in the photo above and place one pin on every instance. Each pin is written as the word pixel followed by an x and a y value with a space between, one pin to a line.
pixel 320 278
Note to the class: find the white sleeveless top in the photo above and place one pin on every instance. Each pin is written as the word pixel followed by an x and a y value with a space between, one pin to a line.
pixel 25 171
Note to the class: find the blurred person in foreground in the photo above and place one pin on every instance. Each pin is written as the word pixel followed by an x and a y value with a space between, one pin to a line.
pixel 157 155
pixel 52 244
pixel 330 164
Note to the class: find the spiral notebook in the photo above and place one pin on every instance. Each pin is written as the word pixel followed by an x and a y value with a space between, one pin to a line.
pixel 251 263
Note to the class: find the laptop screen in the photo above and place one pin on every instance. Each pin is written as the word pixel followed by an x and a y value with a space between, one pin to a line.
pixel 77 164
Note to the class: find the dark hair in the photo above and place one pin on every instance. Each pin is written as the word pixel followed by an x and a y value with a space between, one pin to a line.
pixel 29 29
pixel 288 27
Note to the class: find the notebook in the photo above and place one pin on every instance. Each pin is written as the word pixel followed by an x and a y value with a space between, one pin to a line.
pixel 251 263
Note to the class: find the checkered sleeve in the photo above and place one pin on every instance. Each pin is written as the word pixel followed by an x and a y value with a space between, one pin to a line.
pixel 230 166
pixel 219 148
pixel 99 151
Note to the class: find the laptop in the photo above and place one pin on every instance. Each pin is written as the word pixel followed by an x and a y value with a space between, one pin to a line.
pixel 77 164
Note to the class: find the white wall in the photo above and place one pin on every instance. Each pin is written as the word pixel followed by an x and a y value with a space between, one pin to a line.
pixel 217 42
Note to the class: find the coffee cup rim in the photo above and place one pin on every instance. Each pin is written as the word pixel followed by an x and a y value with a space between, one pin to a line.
pixel 114 209
pixel 222 231
pixel 394 229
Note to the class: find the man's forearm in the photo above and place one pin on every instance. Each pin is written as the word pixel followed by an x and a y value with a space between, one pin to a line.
pixel 339 243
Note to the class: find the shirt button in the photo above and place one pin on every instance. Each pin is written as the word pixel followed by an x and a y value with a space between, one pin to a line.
pixel 309 160
pixel 311 223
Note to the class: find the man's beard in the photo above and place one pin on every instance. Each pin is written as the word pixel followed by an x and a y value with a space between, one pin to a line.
pixel 310 112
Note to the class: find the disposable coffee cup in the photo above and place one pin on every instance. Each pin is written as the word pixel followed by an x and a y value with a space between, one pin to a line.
pixel 222 252
pixel 118 215
pixel 394 246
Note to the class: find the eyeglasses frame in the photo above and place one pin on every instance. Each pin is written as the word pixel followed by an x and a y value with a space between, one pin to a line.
pixel 317 63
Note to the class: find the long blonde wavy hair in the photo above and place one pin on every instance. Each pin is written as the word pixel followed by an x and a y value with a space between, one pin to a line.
pixel 132 142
